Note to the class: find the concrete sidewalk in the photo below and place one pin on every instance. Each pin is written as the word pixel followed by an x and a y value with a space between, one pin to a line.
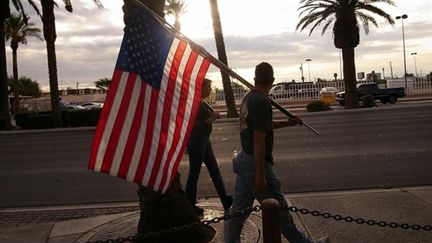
pixel 82 223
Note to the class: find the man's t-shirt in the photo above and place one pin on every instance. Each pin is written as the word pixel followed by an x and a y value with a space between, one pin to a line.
pixel 256 114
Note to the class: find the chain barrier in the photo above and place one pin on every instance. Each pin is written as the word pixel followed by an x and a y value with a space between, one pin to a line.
pixel 257 208
pixel 350 219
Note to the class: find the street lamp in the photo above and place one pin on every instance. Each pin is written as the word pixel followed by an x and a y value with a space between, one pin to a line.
pixel 308 61
pixel 301 68
pixel 415 62
pixel 402 17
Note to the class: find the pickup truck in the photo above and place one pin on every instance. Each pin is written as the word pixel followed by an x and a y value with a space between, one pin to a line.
pixel 384 95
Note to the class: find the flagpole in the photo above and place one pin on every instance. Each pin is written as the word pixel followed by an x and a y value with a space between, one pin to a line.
pixel 220 64
pixel 233 74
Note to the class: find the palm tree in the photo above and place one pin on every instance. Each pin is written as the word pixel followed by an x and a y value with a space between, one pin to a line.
pixel 103 84
pixel 4 99
pixel 17 31
pixel 346 15
pixel 220 46
pixel 50 35
pixel 176 8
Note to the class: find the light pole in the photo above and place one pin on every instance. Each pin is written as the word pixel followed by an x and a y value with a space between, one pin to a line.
pixel 340 64
pixel 301 68
pixel 308 61
pixel 402 17
pixel 415 62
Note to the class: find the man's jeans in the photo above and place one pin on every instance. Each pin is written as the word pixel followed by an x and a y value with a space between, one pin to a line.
pixel 244 167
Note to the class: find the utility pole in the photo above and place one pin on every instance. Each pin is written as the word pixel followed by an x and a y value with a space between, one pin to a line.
pixel 301 68
pixel 391 70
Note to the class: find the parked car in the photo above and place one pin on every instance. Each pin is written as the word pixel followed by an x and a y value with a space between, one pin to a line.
pixel 332 90
pixel 308 93
pixel 92 105
pixel 384 95
pixel 279 91
pixel 73 107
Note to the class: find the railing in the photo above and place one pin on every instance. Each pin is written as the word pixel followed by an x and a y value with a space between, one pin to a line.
pixel 311 91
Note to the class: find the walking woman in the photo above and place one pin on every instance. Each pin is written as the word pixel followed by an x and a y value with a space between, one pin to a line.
pixel 200 151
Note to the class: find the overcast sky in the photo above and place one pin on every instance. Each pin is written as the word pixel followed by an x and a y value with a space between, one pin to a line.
pixel 88 41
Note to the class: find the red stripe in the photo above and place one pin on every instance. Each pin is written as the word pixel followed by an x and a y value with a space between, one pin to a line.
pixel 166 113
pixel 118 124
pixel 142 166
pixel 197 96
pixel 133 134
pixel 104 117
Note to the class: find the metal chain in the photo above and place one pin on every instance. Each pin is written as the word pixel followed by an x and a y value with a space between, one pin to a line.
pixel 258 208
pixel 350 219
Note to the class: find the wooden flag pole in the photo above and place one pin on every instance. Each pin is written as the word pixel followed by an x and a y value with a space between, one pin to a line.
pixel 221 65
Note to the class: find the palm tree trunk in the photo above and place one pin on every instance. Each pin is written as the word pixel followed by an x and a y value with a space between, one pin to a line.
pixel 49 30
pixel 163 211
pixel 220 46
pixel 15 78
pixel 351 101
pixel 4 96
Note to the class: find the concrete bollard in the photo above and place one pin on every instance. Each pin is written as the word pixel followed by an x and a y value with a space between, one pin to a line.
pixel 271 221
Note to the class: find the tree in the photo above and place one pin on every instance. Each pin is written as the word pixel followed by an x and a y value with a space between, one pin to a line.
pixel 346 15
pixel 4 99
pixel 17 29
pixel 176 8
pixel 50 35
pixel 103 84
pixel 27 86
pixel 220 46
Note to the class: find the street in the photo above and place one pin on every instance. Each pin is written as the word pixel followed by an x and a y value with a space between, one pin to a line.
pixel 384 147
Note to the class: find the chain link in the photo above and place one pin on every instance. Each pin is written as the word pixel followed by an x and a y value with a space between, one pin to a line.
pixel 258 208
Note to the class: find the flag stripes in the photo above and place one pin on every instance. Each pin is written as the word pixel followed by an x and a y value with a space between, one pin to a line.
pixel 142 132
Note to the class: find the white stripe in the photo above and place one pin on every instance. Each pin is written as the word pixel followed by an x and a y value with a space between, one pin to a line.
pixel 160 106
pixel 126 126
pixel 188 109
pixel 111 120
pixel 172 121
pixel 141 135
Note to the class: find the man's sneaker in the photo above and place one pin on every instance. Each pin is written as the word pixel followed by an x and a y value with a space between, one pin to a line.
pixel 227 202
pixel 324 239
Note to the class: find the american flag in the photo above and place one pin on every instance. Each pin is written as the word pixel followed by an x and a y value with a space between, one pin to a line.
pixel 151 104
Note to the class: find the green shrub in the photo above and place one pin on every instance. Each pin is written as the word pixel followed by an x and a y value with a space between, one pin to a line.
pixel 318 105
pixel 22 119
pixel 70 118
pixel 368 101
pixel 42 121
pixel 93 116
pixel 77 118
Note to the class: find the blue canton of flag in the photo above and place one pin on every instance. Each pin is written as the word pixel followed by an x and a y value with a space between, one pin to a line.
pixel 145 46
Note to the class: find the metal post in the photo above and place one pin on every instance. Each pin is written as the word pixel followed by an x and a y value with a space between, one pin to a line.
pixel 308 61
pixel 301 68
pixel 271 221
pixel 415 62
pixel 404 16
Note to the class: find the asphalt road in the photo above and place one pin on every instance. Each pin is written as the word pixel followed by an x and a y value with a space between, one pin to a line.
pixel 384 147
